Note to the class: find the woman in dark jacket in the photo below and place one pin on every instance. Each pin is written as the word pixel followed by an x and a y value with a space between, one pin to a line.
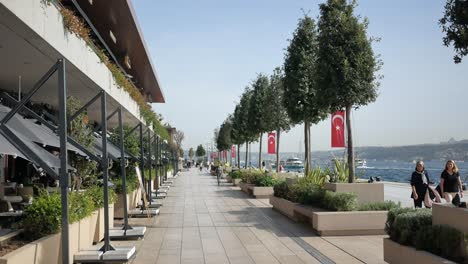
pixel 419 183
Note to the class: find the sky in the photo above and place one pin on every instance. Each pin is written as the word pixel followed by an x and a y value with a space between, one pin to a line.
pixel 206 52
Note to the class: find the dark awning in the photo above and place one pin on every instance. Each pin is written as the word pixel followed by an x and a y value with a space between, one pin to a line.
pixel 35 132
pixel 6 148
pixel 112 150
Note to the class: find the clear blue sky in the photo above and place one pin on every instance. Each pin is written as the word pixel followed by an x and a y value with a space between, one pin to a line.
pixel 207 51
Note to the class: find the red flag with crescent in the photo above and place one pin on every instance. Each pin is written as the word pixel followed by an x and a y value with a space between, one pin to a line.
pixel 233 151
pixel 337 130
pixel 271 143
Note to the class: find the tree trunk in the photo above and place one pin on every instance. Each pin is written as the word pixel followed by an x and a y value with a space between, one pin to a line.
pixel 246 154
pixel 278 131
pixel 350 145
pixel 306 145
pixel 238 156
pixel 260 152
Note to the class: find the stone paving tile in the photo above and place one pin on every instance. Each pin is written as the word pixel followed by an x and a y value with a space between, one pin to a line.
pixel 201 222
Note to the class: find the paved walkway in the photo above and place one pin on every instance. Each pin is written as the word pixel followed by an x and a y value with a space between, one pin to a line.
pixel 203 223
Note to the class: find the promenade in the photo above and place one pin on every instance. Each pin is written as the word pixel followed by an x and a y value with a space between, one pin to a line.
pixel 200 222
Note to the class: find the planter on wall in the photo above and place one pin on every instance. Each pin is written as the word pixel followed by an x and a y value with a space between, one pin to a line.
pixel 236 182
pixel 396 253
pixel 366 192
pixel 261 192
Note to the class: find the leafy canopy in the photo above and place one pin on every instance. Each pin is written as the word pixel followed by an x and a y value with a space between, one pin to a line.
pixel 200 152
pixel 455 26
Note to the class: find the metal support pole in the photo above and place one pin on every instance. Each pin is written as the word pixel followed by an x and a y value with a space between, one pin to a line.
pixel 123 171
pixel 150 162
pixel 64 181
pixel 142 163
pixel 166 161
pixel 156 159
pixel 105 171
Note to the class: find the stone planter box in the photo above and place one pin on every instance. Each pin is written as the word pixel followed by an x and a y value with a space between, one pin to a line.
pixel 305 213
pixel 132 201
pixel 228 179
pixel 236 182
pixel 396 253
pixel 448 214
pixel 48 250
pixel 349 223
pixel 261 192
pixel 366 192
pixel 283 206
pixel 255 191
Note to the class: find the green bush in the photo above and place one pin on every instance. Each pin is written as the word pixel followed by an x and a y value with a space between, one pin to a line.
pixel 308 194
pixel 43 216
pixel 316 176
pixel 408 224
pixel 281 190
pixel 96 194
pixel 266 181
pixel 251 176
pixel 379 206
pixel 80 205
pixel 237 174
pixel 392 214
pixel 339 201
pixel 444 241
pixel 131 183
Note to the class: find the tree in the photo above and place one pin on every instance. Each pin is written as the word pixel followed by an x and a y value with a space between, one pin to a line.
pixel 200 152
pixel 241 132
pixel 190 153
pixel 276 117
pixel 178 138
pixel 455 26
pixel 301 98
pixel 257 113
pixel 223 140
pixel 346 63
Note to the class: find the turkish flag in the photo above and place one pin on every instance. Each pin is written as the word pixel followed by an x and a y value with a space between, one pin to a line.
pixel 233 151
pixel 337 130
pixel 271 143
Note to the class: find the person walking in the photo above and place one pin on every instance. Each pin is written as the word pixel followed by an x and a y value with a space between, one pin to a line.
pixel 419 184
pixel 450 182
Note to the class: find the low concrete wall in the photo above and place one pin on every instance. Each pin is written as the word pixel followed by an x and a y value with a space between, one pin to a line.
pixel 47 250
pixel 396 253
pixel 448 214
pixel 228 179
pixel 245 187
pixel 304 213
pixel 349 223
pixel 283 206
pixel 236 182
pixel 132 200
pixel 366 192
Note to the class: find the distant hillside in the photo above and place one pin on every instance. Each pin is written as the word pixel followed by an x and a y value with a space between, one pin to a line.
pixel 457 150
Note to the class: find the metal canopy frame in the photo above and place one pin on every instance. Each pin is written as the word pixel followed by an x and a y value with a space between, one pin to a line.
pixel 58 67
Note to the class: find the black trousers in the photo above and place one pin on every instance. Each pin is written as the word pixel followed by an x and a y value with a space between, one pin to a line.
pixel 418 203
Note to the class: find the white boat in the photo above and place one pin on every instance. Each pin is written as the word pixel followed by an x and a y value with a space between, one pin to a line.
pixel 293 164
pixel 362 164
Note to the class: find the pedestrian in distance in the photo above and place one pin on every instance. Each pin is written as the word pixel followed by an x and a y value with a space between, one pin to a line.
pixel 450 182
pixel 419 184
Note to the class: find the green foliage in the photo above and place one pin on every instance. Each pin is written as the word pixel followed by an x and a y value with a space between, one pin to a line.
pixel 307 193
pixel 444 241
pixel 258 106
pixel 316 176
pixel 80 206
pixel 267 181
pixel 346 62
pixel 281 190
pixel 455 26
pixel 406 225
pixel 379 206
pixel 340 171
pixel 200 152
pixel 131 141
pixel 276 117
pixel 335 201
pixel 191 153
pixel 241 132
pixel 301 99
pixel 43 216
pixel 223 140
pixel 251 176
pixel 391 216
pixel 96 194
pixel 235 174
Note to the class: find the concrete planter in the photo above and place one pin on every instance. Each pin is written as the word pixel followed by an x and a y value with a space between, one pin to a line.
pixel 255 191
pixel 236 182
pixel 305 213
pixel 349 223
pixel 48 250
pixel 447 214
pixel 132 200
pixel 99 233
pixel 396 253
pixel 366 192
pixel 261 192
pixel 283 206
pixel 228 179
